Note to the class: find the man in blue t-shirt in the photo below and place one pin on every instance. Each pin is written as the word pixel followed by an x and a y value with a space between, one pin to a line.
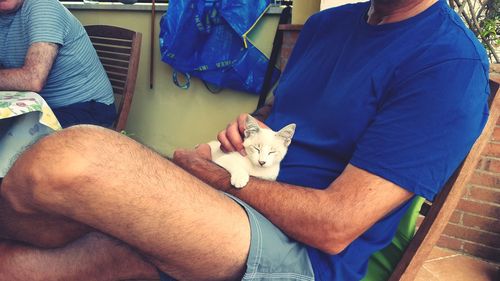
pixel 388 98
pixel 45 49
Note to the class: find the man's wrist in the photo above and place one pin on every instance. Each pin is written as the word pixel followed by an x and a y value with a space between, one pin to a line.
pixel 218 177
pixel 204 169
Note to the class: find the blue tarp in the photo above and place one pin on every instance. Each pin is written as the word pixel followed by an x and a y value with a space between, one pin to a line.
pixel 207 39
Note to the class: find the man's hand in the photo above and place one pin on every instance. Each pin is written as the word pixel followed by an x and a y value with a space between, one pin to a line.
pixel 202 150
pixel 198 163
pixel 231 138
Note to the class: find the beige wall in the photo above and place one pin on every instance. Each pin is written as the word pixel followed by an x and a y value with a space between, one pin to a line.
pixel 167 117
pixel 303 9
pixel 325 4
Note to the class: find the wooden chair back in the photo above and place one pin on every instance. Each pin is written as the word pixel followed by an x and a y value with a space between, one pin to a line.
pixel 438 214
pixel 119 51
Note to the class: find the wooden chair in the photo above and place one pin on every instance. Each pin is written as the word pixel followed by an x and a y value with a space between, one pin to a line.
pixel 438 214
pixel 119 51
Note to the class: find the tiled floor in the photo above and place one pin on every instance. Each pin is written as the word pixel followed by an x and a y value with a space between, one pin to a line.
pixel 446 265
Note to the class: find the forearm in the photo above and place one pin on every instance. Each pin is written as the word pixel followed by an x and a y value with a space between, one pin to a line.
pixel 297 211
pixel 18 79
pixel 204 169
pixel 328 219
pixel 300 212
pixel 35 71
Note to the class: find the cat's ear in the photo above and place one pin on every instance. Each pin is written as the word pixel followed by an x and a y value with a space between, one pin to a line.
pixel 287 133
pixel 252 127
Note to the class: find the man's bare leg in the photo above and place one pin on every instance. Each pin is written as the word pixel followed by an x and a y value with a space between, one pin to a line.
pixel 93 257
pixel 108 182
pixel 57 230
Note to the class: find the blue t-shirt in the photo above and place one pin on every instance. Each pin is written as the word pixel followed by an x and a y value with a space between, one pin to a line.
pixel 77 75
pixel 404 101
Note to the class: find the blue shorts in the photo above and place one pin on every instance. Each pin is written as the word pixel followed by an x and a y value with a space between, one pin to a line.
pixel 273 255
pixel 90 112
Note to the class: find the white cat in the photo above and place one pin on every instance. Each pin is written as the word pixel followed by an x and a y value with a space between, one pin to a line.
pixel 265 149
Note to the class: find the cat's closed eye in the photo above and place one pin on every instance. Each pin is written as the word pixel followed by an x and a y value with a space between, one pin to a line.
pixel 266 148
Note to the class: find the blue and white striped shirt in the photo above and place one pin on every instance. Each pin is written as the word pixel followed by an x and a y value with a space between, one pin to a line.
pixel 77 74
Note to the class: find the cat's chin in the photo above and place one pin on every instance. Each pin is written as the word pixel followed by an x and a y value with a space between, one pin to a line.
pixel 262 146
pixel 262 167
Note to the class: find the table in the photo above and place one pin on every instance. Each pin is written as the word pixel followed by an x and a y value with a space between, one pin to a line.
pixel 24 118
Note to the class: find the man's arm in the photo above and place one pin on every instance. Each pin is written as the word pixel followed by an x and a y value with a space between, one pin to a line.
pixel 327 219
pixel 33 74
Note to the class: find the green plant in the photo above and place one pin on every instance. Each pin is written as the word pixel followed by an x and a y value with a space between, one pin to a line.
pixel 123 132
pixel 489 29
pixel 490 25
pixel 483 18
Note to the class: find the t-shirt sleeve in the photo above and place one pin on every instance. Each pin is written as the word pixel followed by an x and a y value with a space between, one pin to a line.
pixel 46 21
pixel 425 126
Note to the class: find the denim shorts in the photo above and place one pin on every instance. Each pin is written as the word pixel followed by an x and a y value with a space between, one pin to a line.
pixel 273 255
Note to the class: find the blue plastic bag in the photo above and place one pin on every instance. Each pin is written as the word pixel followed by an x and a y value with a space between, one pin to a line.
pixel 208 39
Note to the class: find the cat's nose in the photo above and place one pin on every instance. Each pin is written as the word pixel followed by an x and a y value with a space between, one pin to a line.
pixel 262 163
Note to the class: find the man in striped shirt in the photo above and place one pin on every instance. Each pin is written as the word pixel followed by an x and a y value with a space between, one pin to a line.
pixel 45 49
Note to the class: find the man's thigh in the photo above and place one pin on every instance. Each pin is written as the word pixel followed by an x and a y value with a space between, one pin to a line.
pixel 109 182
pixel 273 255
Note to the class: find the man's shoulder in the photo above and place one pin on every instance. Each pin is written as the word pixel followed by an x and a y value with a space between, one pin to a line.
pixel 30 6
pixel 454 40
pixel 443 39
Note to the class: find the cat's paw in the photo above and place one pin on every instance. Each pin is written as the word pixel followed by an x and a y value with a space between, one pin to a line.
pixel 239 179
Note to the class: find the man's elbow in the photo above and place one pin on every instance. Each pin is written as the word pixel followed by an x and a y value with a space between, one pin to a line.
pixel 37 84
pixel 34 84
pixel 33 81
pixel 332 248
pixel 334 242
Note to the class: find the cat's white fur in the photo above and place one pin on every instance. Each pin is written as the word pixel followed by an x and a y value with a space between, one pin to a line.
pixel 265 149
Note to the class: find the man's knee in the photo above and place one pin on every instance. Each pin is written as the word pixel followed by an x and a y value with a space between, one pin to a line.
pixel 53 165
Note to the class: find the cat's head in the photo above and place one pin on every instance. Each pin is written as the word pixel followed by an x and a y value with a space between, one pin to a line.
pixel 266 147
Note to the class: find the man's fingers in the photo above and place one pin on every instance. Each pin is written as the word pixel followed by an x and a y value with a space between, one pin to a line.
pixel 178 153
pixel 204 151
pixel 233 134
pixel 225 144
pixel 242 121
pixel 231 138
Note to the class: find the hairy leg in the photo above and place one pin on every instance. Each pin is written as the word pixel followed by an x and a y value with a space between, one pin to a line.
pixel 106 181
pixel 93 257
pixel 55 230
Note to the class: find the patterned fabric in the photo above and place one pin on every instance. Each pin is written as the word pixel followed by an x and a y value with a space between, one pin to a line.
pixel 77 74
pixel 18 103
pixel 24 118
